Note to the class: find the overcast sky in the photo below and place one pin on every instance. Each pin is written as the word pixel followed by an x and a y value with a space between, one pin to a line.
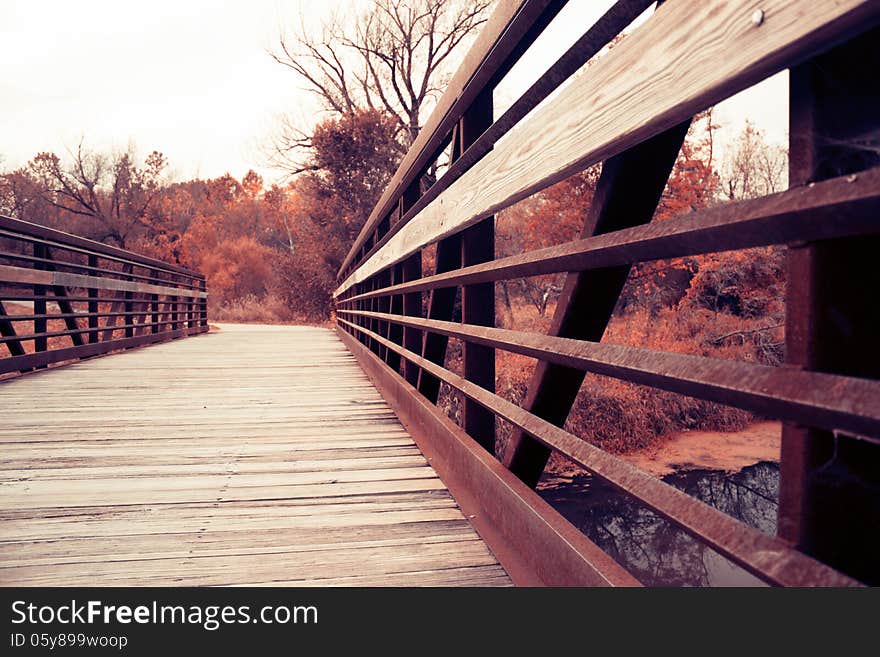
pixel 192 78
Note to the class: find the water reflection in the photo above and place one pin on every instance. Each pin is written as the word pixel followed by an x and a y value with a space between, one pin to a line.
pixel 654 550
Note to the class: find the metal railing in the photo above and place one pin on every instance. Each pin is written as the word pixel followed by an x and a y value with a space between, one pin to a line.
pixel 631 111
pixel 63 298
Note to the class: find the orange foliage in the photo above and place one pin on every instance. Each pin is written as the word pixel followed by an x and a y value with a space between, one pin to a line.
pixel 237 267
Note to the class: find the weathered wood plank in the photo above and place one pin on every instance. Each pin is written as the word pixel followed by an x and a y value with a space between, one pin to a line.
pixel 240 569
pixel 265 446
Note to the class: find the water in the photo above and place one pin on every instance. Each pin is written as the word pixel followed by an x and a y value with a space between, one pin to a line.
pixel 652 549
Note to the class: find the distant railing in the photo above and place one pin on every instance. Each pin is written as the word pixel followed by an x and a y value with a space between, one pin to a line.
pixel 63 298
pixel 631 110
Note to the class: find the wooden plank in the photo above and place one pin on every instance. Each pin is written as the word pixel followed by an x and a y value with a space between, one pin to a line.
pixel 37 473
pixel 317 517
pixel 434 510
pixel 225 543
pixel 239 569
pixel 475 576
pixel 638 90
pixel 182 463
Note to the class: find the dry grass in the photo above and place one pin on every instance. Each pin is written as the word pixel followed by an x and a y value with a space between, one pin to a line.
pixel 619 416
pixel 268 309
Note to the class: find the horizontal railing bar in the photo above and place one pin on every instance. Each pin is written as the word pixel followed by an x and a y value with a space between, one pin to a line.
pixel 840 207
pixel 86 315
pixel 94 329
pixel 28 230
pixel 768 558
pixel 23 275
pixel 508 25
pixel 621 14
pixel 829 401
pixel 51 298
pixel 97 270
pixel 42 358
pixel 610 109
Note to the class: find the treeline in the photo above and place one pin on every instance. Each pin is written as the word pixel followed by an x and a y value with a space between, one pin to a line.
pixel 270 253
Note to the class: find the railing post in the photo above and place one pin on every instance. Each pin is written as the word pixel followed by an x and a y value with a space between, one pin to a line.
pixel 411 269
pixel 175 312
pixel 93 302
pixel 383 279
pixel 40 344
pixel 154 313
pixel 395 331
pixel 128 319
pixel 203 304
pixel 828 483
pixel 363 304
pixel 190 313
pixel 441 301
pixel 478 301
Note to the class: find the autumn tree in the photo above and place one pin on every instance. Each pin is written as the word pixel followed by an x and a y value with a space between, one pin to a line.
pixel 21 196
pixel 112 191
pixel 352 161
pixel 552 216
pixel 394 57
pixel 753 167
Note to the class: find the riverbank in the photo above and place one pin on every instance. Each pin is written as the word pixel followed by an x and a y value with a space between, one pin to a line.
pixel 710 450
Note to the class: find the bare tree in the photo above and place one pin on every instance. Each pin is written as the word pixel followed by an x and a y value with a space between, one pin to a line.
pixel 395 57
pixel 111 190
pixel 754 167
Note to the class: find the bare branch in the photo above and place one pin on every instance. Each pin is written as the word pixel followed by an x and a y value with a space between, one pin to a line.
pixel 392 56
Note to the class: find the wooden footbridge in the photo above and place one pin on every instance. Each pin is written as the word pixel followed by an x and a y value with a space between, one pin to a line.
pixel 252 455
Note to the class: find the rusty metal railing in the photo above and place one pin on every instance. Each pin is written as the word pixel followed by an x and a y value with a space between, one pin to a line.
pixel 630 111
pixel 63 298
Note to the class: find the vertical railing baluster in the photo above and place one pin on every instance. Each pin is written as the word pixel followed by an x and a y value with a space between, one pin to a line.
pixel 93 302
pixel 203 305
pixel 828 482
pixel 478 301
pixel 411 269
pixel 154 313
pixel 128 318
pixel 40 291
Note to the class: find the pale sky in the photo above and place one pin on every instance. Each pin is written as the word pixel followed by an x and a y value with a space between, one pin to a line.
pixel 192 78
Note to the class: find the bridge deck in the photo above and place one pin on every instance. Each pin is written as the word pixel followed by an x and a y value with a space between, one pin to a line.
pixel 254 455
